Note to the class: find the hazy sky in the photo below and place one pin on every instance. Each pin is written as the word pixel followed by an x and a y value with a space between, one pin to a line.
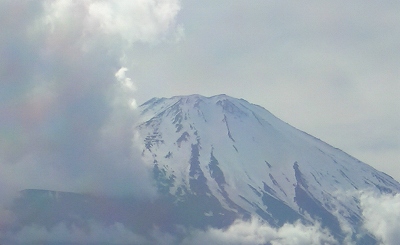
pixel 330 68
pixel 71 72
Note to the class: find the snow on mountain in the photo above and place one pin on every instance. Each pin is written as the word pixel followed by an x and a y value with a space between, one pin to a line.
pixel 251 161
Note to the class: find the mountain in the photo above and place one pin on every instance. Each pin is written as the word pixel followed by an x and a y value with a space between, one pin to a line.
pixel 247 160
pixel 218 159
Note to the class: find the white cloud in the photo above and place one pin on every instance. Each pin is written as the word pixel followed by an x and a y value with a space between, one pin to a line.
pixel 380 213
pixel 382 216
pixel 258 232
pixel 127 21
pixel 127 86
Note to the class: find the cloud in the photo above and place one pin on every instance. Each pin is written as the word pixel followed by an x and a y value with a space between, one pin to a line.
pixel 95 233
pixel 128 86
pixel 382 216
pixel 379 216
pixel 258 232
pixel 241 232
pixel 67 98
pixel 131 21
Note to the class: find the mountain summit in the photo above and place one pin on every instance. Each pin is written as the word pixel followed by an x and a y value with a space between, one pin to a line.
pixel 215 160
pixel 235 154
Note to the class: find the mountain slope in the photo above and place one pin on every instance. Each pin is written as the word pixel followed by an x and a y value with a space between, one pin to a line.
pixel 251 161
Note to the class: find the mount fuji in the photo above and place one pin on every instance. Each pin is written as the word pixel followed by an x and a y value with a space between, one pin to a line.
pixel 217 159
pixel 245 159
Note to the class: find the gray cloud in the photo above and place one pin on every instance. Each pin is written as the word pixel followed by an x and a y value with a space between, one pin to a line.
pixel 96 233
pixel 240 232
pixel 379 211
pixel 67 100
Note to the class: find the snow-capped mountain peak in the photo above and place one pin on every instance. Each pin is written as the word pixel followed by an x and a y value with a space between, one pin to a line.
pixel 248 159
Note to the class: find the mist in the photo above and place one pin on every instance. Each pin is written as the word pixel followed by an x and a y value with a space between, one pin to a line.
pixel 67 100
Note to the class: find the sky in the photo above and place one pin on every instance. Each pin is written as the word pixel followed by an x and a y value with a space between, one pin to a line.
pixel 72 73
pixel 329 68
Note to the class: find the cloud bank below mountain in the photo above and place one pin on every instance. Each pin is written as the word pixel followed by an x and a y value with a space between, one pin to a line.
pixel 380 213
